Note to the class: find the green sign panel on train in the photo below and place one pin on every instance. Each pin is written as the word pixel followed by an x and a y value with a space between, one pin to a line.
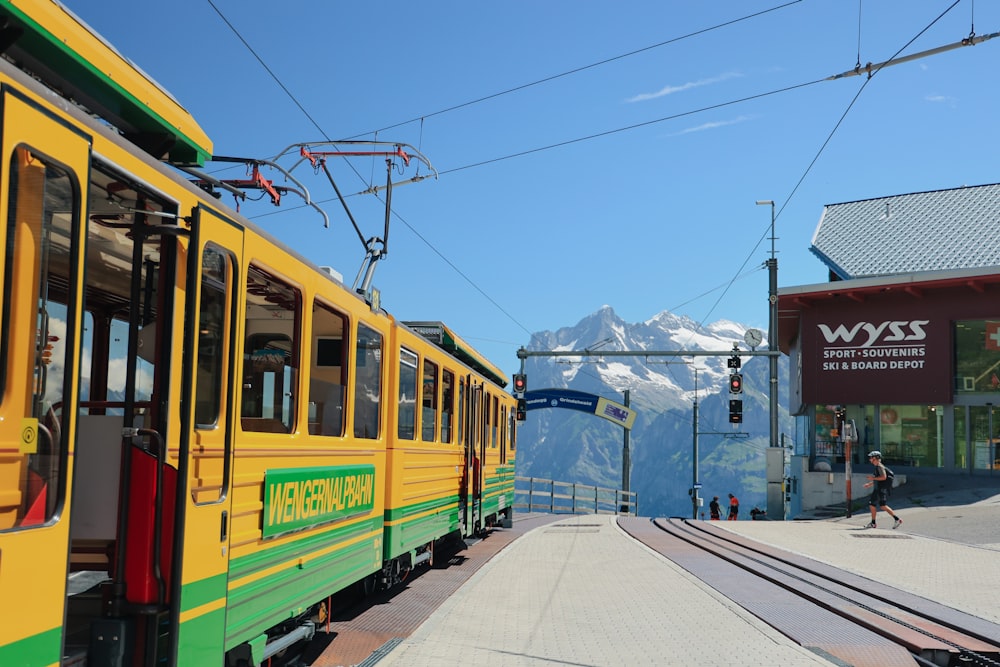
pixel 300 497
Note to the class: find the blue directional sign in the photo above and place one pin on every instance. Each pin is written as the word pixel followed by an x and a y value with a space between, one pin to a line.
pixel 578 400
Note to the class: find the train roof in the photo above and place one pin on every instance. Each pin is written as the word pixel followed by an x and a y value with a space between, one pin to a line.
pixel 445 338
pixel 46 39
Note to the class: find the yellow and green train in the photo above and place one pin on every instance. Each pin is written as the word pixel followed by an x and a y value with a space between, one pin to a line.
pixel 203 436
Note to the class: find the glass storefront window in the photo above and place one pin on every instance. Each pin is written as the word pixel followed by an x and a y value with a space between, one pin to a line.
pixel 907 435
pixel 825 439
pixel 977 356
pixel 984 431
pixel 911 435
pixel 828 441
pixel 960 437
pixel 801 440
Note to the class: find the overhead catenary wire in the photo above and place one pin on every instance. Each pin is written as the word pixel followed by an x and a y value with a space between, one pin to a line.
pixel 423 117
pixel 870 68
pixel 584 68
pixel 505 92
pixel 874 68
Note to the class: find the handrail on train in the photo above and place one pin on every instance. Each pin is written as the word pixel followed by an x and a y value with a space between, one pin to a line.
pixel 533 494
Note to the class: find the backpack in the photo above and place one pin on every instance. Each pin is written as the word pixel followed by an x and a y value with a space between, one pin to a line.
pixel 889 476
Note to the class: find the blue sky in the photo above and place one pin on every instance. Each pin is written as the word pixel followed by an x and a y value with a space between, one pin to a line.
pixel 588 153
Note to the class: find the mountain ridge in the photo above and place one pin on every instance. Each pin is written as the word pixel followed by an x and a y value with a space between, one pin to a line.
pixel 574 447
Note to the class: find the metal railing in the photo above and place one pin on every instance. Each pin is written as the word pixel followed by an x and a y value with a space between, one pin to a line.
pixel 533 494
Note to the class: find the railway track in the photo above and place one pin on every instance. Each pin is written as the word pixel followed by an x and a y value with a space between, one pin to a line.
pixel 830 611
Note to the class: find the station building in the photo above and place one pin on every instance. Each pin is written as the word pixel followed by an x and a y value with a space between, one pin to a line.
pixel 903 341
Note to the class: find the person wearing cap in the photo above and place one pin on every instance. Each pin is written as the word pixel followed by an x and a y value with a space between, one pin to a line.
pixel 880 494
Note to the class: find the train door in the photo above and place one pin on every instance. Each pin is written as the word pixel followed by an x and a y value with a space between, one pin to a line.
pixel 125 523
pixel 207 437
pixel 40 163
pixel 474 443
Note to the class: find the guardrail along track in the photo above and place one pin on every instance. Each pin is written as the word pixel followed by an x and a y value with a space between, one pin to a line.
pixel 823 608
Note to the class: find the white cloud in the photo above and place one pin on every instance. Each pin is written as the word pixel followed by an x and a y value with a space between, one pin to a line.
pixel 941 99
pixel 670 90
pixel 715 124
pixel 951 102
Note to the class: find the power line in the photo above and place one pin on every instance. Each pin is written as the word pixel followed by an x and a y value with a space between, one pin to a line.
pixel 647 123
pixel 825 143
pixel 268 69
pixel 424 240
pixel 609 132
pixel 812 163
pixel 584 68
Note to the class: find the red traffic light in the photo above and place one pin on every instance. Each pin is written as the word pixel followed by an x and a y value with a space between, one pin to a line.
pixel 735 383
pixel 520 382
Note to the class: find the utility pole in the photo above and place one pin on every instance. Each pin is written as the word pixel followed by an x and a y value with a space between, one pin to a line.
pixel 772 327
pixel 695 486
pixel 776 455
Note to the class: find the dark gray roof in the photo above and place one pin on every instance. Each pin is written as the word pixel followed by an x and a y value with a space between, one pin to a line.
pixel 921 231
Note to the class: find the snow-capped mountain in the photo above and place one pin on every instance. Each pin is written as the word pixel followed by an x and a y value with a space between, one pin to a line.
pixel 574 447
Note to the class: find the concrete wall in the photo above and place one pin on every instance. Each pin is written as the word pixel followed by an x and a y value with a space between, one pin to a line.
pixel 820 489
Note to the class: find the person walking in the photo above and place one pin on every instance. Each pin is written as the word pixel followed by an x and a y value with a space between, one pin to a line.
pixel 880 493
pixel 734 508
pixel 714 511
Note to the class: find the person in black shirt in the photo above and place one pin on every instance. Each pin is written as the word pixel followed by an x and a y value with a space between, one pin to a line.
pixel 880 493
pixel 714 511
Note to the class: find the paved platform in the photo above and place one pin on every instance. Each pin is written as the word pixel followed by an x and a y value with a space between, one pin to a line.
pixel 580 591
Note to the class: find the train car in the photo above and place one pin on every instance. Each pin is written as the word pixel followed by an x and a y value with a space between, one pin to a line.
pixel 487 432
pixel 451 447
pixel 203 436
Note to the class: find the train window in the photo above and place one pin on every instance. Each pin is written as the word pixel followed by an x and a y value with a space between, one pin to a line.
pixel 115 374
pixel 512 431
pixel 483 405
pixel 39 260
pixel 428 413
pixel 406 413
pixel 327 376
pixel 461 410
pixel 496 421
pixel 216 269
pixel 117 361
pixel 509 432
pixel 447 404
pixel 271 355
pixel 504 425
pixel 483 414
pixel 367 382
